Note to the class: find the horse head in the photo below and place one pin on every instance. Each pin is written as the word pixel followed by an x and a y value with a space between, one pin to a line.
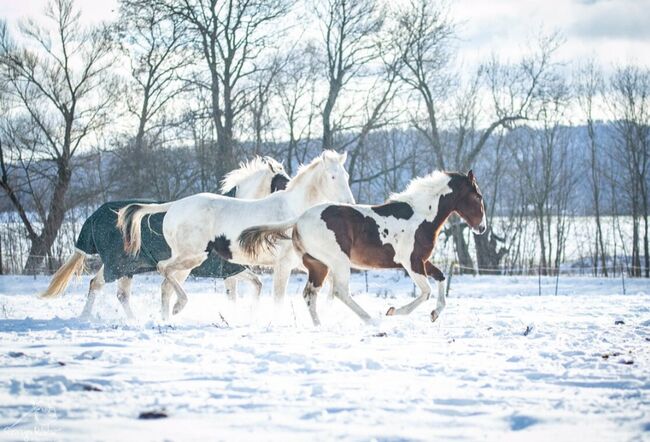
pixel 279 179
pixel 334 178
pixel 468 202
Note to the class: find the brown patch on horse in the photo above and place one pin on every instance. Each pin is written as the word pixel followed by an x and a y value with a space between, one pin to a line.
pixel 220 246
pixel 317 270
pixel 396 209
pixel 427 233
pixel 433 271
pixel 358 237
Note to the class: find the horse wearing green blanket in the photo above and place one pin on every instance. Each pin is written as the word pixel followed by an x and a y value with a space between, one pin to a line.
pixel 100 236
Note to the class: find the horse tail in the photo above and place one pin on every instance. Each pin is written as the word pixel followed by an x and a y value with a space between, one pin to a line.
pixel 129 219
pixel 258 239
pixel 73 266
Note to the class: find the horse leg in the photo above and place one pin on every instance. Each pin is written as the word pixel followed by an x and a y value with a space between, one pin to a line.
pixel 167 268
pixel 252 278
pixel 180 276
pixel 420 279
pixel 231 287
pixel 166 290
pixel 341 283
pixel 435 272
pixel 96 285
pixel 281 273
pixel 317 273
pixel 124 294
pixel 331 294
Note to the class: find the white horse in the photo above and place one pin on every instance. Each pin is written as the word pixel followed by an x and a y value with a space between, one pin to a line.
pixel 254 179
pixel 401 233
pixel 200 224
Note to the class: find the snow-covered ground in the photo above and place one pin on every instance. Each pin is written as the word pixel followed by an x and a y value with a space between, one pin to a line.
pixel 501 363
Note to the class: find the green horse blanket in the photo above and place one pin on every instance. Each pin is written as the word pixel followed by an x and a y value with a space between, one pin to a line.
pixel 99 235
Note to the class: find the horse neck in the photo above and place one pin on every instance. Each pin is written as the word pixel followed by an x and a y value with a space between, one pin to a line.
pixel 254 186
pixel 303 195
pixel 445 209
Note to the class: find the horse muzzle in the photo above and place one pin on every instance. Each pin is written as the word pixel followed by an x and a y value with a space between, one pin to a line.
pixel 481 228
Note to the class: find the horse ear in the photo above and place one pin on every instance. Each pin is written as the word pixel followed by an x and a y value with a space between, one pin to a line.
pixel 343 157
pixel 470 175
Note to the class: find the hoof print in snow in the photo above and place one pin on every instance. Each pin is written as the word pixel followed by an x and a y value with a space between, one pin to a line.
pixel 60 363
pixel 434 316
pixel 380 335
pixel 619 322
pixel 156 414
pixel 529 328
pixel 88 387
pixel 626 361
pixel 391 311
pixel 614 354
pixel 16 354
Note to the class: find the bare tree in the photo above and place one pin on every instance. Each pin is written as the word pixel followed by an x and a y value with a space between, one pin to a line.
pixel 230 36
pixel 548 180
pixel 629 100
pixel 423 35
pixel 152 41
pixel 348 30
pixel 589 87
pixel 60 88
pixel 296 88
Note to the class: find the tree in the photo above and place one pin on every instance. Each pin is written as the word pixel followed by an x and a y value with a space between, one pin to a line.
pixel 548 180
pixel 629 100
pixel 296 88
pixel 589 87
pixel 230 36
pixel 61 90
pixel 152 42
pixel 423 34
pixel 348 31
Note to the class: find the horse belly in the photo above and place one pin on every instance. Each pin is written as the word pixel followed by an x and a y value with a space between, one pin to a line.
pixel 372 256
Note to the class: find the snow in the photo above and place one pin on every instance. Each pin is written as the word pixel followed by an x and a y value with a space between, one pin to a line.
pixel 501 363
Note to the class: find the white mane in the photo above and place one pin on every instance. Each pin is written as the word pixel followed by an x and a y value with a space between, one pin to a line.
pixel 421 191
pixel 247 170
pixel 304 169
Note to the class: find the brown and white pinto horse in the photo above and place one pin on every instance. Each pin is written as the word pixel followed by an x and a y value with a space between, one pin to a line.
pixel 401 233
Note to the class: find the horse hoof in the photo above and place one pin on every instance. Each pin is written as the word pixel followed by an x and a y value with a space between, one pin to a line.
pixel 178 307
pixel 434 316
pixel 391 311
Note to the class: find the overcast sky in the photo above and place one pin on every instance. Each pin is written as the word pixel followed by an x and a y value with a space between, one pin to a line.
pixel 610 31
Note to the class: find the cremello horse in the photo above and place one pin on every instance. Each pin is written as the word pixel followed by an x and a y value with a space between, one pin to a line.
pixel 200 224
pixel 402 233
pixel 254 179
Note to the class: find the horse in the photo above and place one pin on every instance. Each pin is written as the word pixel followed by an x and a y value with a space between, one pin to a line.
pixel 256 178
pixel 207 223
pixel 400 233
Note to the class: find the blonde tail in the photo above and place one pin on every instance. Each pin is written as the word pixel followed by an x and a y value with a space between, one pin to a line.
pixel 129 219
pixel 73 266
pixel 257 239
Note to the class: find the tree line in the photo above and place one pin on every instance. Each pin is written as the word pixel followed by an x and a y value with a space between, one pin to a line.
pixel 173 94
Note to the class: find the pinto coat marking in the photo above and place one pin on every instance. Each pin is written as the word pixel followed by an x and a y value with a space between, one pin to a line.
pixel 400 233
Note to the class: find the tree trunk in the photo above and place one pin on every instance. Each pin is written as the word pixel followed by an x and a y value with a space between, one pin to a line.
pixel 487 255
pixel 41 245
pixel 464 259
pixel 37 252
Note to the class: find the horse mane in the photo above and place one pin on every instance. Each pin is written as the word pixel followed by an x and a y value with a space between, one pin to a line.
pixel 246 170
pixel 421 190
pixel 305 169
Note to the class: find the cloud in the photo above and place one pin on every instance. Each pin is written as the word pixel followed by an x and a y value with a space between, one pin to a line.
pixel 623 19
